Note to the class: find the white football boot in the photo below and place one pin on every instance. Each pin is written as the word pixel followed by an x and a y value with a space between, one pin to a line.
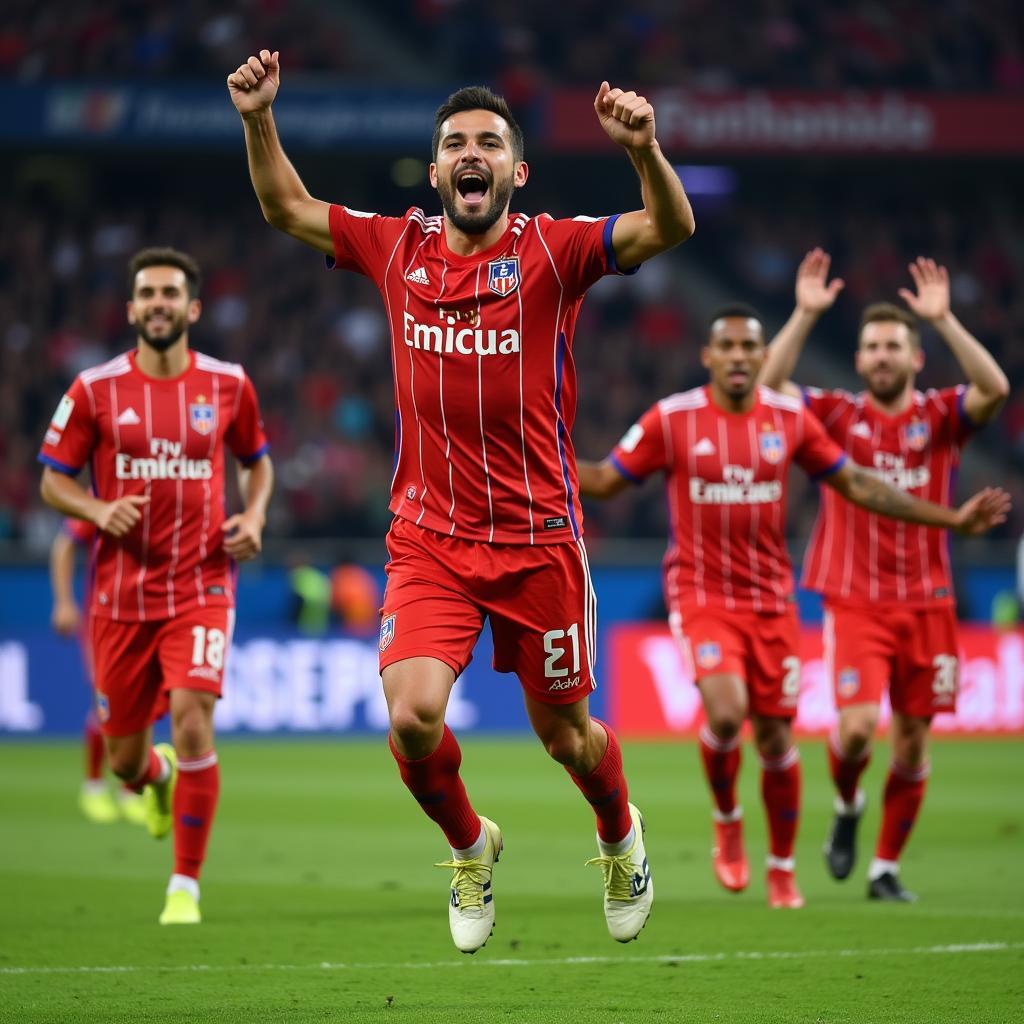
pixel 628 888
pixel 471 907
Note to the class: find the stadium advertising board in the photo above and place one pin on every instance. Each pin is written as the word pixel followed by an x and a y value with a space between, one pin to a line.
pixel 775 122
pixel 315 116
pixel 277 682
pixel 651 690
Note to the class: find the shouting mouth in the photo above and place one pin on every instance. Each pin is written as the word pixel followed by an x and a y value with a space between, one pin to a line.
pixel 473 187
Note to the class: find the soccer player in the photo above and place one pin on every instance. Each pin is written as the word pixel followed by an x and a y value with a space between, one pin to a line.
pixel 889 610
pixel 725 449
pixel 152 424
pixel 482 306
pixel 94 800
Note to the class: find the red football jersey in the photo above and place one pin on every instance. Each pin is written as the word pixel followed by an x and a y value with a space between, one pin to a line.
pixel 726 479
pixel 165 439
pixel 857 556
pixel 485 387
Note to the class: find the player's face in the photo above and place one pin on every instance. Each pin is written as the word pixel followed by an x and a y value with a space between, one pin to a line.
pixel 160 308
pixel 887 358
pixel 734 354
pixel 475 170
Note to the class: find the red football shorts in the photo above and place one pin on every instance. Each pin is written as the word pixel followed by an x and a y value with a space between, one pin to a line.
pixel 762 649
pixel 540 602
pixel 913 651
pixel 136 663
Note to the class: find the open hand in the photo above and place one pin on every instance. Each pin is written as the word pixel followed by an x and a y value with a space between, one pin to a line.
pixel 243 536
pixel 932 282
pixel 627 118
pixel 981 512
pixel 254 85
pixel 814 292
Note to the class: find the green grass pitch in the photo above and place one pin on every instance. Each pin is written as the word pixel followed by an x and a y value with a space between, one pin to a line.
pixel 321 904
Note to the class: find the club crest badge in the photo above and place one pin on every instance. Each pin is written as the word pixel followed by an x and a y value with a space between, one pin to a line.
pixel 772 447
pixel 709 654
pixel 848 682
pixel 102 707
pixel 503 275
pixel 917 435
pixel 387 632
pixel 201 416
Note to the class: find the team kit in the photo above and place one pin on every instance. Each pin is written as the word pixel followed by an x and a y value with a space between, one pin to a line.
pixel 488 524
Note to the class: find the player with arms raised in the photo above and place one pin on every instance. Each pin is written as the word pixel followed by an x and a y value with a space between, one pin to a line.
pixel 889 610
pixel 726 449
pixel 482 306
pixel 152 424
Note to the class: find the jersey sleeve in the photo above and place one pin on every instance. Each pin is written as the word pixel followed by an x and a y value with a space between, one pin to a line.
pixel 948 406
pixel 71 435
pixel 81 531
pixel 581 250
pixel 817 454
pixel 825 405
pixel 361 240
pixel 641 451
pixel 245 436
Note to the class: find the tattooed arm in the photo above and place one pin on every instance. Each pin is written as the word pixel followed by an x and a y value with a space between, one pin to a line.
pixel 975 516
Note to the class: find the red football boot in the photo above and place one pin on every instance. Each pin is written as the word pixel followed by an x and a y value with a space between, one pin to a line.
pixel 728 857
pixel 783 891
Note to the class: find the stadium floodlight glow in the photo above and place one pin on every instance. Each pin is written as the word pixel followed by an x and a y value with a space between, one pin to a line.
pixel 408 172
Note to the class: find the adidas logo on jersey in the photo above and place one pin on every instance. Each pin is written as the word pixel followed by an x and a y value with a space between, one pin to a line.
pixel 704 447
pixel 861 429
pixel 129 418
pixel 418 276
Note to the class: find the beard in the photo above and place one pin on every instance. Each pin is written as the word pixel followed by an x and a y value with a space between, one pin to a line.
pixel 891 390
pixel 161 343
pixel 481 221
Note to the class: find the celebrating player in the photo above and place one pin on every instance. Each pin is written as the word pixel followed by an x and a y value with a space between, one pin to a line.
pixel 482 306
pixel 889 610
pixel 94 800
pixel 726 449
pixel 152 424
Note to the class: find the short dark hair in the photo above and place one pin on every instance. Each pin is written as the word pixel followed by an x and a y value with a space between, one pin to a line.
pixel 889 312
pixel 165 256
pixel 477 97
pixel 741 309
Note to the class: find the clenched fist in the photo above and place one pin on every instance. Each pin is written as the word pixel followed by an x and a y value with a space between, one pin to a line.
pixel 254 85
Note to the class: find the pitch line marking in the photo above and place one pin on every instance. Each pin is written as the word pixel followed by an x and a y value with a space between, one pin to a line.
pixel 568 961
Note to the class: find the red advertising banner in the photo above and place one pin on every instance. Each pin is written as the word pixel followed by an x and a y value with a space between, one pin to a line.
pixel 651 691
pixel 857 123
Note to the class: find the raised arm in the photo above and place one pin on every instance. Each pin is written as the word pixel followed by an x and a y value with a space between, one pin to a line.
pixel 814 295
pixel 988 388
pixel 600 479
pixel 283 198
pixel 977 515
pixel 666 219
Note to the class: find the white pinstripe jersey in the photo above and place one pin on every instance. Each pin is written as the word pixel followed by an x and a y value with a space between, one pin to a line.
pixel 163 438
pixel 485 386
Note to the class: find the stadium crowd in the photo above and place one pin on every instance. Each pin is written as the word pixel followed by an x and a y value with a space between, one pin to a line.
pixel 315 343
pixel 976 47
pixel 778 44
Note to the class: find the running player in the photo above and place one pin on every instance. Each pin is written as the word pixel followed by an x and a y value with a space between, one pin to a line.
pixel 889 610
pixel 94 800
pixel 482 306
pixel 726 448
pixel 152 424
